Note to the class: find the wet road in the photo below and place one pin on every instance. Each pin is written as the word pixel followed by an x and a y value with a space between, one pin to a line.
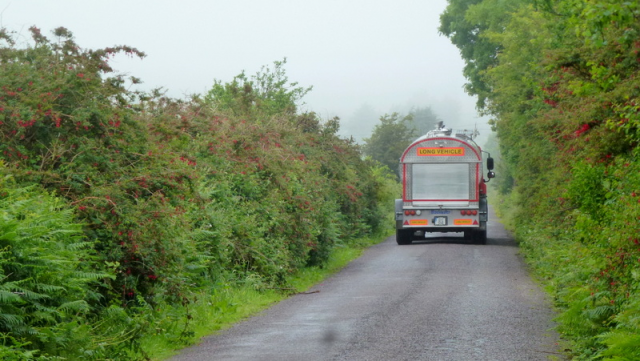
pixel 440 299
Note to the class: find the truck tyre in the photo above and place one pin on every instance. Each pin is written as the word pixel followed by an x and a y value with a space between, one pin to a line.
pixel 404 236
pixel 480 237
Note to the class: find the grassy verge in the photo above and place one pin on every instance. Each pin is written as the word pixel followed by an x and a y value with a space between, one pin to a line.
pixel 230 303
pixel 537 258
pixel 505 208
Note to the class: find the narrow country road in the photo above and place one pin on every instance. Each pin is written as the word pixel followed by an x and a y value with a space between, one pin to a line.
pixel 440 299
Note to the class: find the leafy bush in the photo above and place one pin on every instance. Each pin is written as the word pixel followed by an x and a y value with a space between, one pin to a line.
pixel 589 188
pixel 161 200
pixel 564 95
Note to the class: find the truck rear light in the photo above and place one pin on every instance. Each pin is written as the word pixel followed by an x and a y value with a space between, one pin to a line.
pixel 463 212
pixel 474 212
pixel 409 212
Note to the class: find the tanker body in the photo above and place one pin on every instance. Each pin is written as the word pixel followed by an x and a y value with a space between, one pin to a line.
pixel 443 189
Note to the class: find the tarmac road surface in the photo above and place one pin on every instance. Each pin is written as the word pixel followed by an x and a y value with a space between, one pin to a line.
pixel 440 299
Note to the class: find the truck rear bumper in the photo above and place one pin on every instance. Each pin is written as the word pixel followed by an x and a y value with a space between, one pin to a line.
pixel 441 220
pixel 479 226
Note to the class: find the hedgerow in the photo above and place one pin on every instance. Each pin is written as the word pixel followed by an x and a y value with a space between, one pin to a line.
pixel 152 201
pixel 560 79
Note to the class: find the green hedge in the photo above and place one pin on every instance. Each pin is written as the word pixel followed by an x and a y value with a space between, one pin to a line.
pixel 145 201
pixel 560 80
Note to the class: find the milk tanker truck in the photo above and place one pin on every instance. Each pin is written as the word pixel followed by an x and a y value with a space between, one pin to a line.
pixel 443 189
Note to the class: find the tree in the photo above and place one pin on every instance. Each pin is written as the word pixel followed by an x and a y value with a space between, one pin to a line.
pixel 423 119
pixel 389 139
pixel 465 22
pixel 266 93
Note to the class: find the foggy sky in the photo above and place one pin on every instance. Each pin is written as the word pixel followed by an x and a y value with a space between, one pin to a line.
pixel 386 54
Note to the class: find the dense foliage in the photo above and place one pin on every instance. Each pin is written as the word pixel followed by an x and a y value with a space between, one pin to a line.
pixel 560 79
pixel 389 139
pixel 119 208
pixel 394 132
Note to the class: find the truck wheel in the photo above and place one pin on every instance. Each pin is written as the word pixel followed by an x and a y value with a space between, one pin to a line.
pixel 404 236
pixel 480 237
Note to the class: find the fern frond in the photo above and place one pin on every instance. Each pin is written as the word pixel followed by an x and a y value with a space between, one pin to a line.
pixel 621 345
pixel 45 315
pixel 48 288
pixel 75 306
pixel 93 276
pixel 10 320
pixel 599 312
pixel 31 296
pixel 9 297
pixel 78 246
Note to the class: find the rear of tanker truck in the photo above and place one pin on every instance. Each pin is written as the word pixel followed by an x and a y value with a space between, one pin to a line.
pixel 443 189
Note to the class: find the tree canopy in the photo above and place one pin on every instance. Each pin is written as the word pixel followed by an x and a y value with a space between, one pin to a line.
pixel 389 139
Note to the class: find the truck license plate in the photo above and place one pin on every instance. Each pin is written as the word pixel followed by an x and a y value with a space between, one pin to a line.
pixel 440 221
